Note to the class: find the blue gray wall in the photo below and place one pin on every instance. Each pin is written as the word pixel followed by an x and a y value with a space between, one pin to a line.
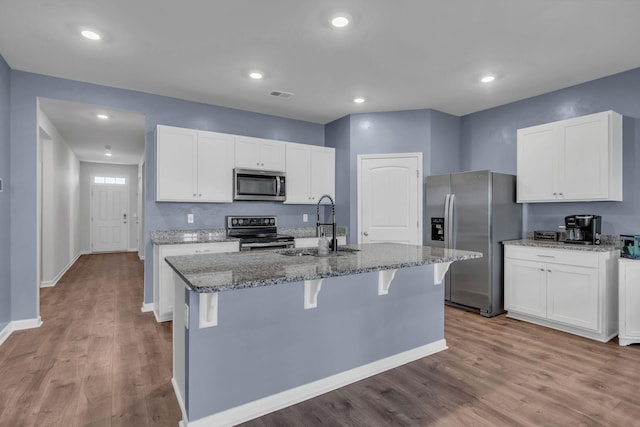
pixel 436 135
pixel 484 140
pixel 5 225
pixel 489 142
pixel 27 87
pixel 272 344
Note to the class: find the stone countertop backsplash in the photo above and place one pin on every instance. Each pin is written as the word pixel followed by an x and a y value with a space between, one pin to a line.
pixel 609 243
pixel 237 270
pixel 174 237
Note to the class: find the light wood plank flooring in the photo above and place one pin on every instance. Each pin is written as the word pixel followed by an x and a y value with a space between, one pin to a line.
pixel 98 361
pixel 496 372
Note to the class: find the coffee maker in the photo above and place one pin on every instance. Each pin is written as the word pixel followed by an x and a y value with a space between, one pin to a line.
pixel 583 229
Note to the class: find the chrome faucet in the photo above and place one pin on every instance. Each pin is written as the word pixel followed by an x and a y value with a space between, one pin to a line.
pixel 334 238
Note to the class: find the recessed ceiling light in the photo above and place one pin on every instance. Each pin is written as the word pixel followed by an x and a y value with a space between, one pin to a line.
pixel 340 21
pixel 256 75
pixel 102 116
pixel 358 100
pixel 487 79
pixel 91 35
pixel 107 151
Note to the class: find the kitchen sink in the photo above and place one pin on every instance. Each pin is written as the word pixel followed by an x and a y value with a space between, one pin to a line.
pixel 314 252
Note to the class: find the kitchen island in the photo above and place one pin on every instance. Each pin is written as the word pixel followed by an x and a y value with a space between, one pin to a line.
pixel 258 331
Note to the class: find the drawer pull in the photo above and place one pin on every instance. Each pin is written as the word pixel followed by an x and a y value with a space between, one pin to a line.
pixel 546 256
pixel 203 250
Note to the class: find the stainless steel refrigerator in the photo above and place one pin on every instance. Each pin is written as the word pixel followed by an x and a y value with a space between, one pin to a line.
pixel 474 211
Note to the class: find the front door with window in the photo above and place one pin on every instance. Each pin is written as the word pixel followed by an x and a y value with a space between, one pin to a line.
pixel 110 216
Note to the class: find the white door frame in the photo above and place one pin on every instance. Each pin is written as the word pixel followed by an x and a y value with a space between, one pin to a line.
pixel 418 157
pixel 128 198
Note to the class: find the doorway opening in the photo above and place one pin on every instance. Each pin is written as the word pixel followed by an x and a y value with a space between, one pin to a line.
pixel 73 142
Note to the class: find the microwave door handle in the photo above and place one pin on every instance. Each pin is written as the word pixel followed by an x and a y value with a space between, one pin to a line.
pixel 278 180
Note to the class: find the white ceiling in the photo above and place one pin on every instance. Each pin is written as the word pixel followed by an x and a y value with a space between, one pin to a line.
pixel 401 54
pixel 87 135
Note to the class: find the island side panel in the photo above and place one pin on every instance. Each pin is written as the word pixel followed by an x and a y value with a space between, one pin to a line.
pixel 265 342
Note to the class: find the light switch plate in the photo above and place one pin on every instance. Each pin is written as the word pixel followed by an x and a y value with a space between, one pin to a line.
pixel 305 217
pixel 190 218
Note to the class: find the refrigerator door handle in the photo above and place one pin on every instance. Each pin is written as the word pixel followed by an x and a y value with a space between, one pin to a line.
pixel 446 221
pixel 452 199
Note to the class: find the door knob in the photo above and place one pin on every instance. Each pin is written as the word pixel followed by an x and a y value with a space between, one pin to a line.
pixel 124 218
pixel 366 233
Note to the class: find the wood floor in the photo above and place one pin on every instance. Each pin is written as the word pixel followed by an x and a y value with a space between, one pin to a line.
pixel 98 361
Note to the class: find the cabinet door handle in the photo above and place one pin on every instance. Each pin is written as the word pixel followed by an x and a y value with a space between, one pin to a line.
pixel 202 251
pixel 555 194
pixel 546 256
pixel 548 271
pixel 542 269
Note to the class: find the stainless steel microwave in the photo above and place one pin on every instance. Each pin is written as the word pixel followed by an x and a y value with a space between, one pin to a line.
pixel 251 184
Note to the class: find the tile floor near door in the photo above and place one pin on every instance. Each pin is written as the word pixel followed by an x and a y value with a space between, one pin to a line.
pixel 98 361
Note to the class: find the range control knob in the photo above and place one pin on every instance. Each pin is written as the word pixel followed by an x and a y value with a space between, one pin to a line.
pixel 234 222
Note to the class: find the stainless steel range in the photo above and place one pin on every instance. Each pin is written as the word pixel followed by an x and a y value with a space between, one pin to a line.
pixel 257 232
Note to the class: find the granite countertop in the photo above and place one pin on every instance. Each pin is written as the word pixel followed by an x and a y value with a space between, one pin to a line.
pixel 238 270
pixel 175 237
pixel 561 245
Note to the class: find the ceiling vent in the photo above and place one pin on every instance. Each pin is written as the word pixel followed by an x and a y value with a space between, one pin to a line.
pixel 281 94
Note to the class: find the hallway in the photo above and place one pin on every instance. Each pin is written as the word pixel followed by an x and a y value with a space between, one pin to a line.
pixel 97 360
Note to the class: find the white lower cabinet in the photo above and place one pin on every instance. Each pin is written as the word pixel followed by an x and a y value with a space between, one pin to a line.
pixel 163 277
pixel 570 290
pixel 629 287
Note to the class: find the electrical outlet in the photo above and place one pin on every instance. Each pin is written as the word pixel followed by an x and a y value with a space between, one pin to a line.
pixel 190 218
pixel 305 217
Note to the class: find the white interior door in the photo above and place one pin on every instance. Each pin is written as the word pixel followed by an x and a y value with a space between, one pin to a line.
pixel 110 218
pixel 390 198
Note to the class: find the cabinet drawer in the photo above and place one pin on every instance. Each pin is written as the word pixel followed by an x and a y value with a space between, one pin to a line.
pixel 198 248
pixel 553 256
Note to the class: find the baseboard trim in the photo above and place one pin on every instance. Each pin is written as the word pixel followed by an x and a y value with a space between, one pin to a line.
pixel 146 307
pixel 19 325
pixel 133 250
pixel 52 283
pixel 176 389
pixel 5 332
pixel 266 405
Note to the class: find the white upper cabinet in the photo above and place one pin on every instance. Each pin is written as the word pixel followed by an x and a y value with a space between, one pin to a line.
pixel 310 173
pixel 571 160
pixel 257 153
pixel 194 166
